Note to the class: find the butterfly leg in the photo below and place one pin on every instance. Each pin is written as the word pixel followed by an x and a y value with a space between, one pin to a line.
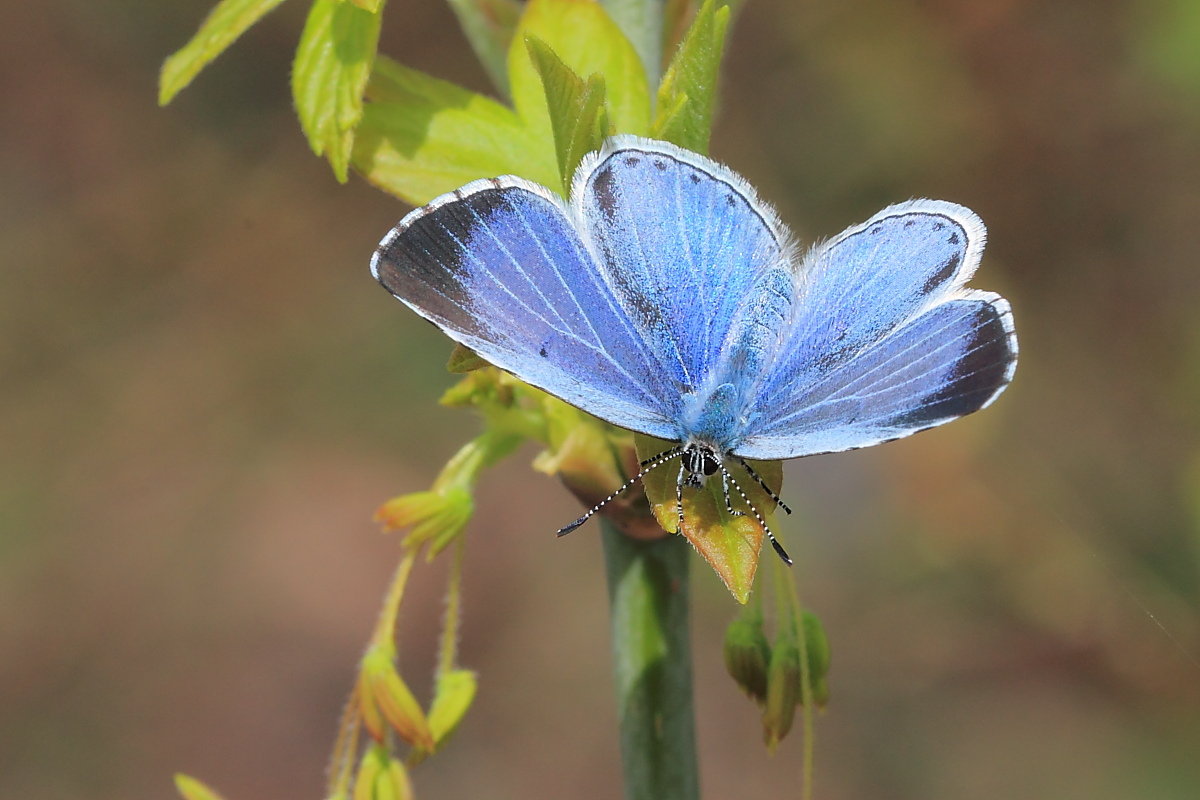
pixel 766 488
pixel 725 491
pixel 679 482
pixel 766 528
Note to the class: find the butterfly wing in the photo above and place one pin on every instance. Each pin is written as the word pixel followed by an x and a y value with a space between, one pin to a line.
pixel 884 340
pixel 684 243
pixel 500 267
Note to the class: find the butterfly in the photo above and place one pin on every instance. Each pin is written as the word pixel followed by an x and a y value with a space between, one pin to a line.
pixel 666 298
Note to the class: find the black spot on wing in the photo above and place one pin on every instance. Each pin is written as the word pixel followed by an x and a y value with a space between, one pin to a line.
pixel 944 273
pixel 632 161
pixel 604 187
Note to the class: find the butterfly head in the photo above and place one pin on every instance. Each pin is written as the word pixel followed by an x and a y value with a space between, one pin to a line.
pixel 700 461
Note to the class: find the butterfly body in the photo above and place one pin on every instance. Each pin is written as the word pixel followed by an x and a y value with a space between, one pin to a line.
pixel 664 297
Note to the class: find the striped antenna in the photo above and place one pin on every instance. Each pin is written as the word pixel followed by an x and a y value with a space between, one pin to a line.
pixel 647 465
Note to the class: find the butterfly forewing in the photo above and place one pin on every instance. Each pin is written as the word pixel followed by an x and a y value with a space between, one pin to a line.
pixel 682 241
pixel 499 266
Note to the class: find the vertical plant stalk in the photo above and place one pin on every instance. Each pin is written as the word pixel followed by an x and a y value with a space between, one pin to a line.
pixel 648 601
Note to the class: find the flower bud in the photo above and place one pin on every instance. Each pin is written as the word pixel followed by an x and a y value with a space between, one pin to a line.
pixel 452 697
pixel 394 699
pixel 783 687
pixel 817 647
pixel 747 654
pixel 381 777
pixel 435 516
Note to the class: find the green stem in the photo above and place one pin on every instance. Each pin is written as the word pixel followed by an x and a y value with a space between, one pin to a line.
pixel 648 600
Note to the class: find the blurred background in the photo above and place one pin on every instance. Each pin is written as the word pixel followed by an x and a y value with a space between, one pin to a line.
pixel 204 397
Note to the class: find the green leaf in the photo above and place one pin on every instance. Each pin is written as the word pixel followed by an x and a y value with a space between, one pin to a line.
pixel 333 64
pixel 489 26
pixel 642 23
pixel 588 42
pixel 464 360
pixel 224 24
pixel 369 5
pixel 421 137
pixel 576 108
pixel 192 789
pixel 688 91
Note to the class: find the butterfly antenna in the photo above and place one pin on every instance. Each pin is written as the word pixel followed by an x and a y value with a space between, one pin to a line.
pixel 766 528
pixel 647 465
pixel 763 484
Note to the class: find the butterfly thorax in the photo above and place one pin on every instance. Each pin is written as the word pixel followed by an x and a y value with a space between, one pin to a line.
pixel 712 419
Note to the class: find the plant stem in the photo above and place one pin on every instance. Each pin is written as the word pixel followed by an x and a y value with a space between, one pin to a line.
pixel 648 600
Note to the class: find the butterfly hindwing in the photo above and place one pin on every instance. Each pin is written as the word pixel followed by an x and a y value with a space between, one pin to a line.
pixel 885 341
pixel 499 266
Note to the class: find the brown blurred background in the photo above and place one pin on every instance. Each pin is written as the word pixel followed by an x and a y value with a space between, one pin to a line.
pixel 204 396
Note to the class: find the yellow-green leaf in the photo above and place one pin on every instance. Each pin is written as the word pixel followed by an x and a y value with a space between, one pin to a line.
pixel 576 108
pixel 368 5
pixel 731 544
pixel 488 26
pixel 421 137
pixel 588 42
pixel 464 360
pixel 329 77
pixel 687 95
pixel 192 789
pixel 223 25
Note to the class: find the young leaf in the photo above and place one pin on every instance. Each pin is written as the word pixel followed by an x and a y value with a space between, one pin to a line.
pixel 333 63
pixel 575 107
pixel 642 23
pixel 692 76
pixel 489 26
pixel 369 5
pixel 224 24
pixel 588 42
pixel 731 544
pixel 421 137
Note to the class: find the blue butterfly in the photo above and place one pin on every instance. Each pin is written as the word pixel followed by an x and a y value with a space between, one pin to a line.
pixel 665 297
